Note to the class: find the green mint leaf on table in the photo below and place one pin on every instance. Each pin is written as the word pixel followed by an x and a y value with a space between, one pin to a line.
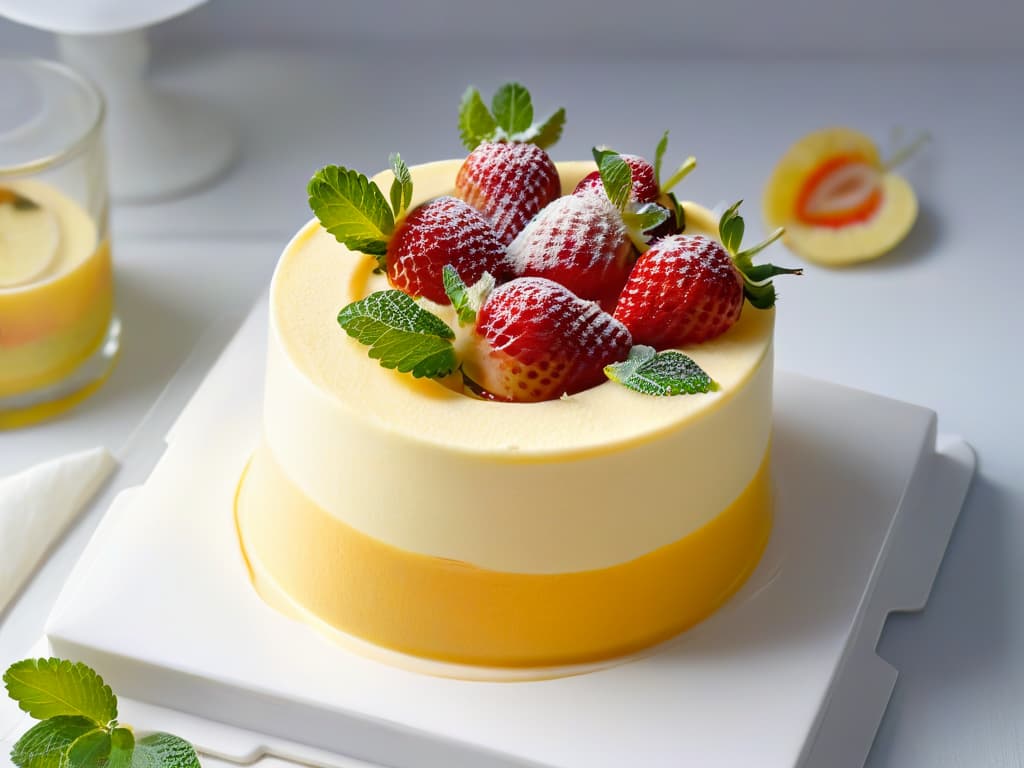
pixel 662 374
pixel 401 187
pixel 512 109
pixel 401 334
pixel 547 133
pixel 122 747
pixel 92 750
pixel 51 687
pixel 659 156
pixel 162 750
pixel 46 744
pixel 476 123
pixel 615 175
pixel 353 209
pixel 78 727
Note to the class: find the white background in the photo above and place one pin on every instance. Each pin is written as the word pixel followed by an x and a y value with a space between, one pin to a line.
pixel 937 322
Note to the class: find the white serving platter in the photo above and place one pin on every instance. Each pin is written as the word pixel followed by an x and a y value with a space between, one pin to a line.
pixel 785 674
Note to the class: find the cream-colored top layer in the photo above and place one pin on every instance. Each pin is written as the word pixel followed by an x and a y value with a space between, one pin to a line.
pixel 47 252
pixel 583 482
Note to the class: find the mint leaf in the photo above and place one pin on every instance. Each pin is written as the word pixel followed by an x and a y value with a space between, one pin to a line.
pixel 476 124
pixel 730 228
pixel 458 292
pixel 661 374
pixel 659 155
pixel 512 109
pixel 615 175
pixel 162 750
pixel 546 133
pixel 401 187
pixel 353 209
pixel 45 744
pixel 90 750
pixel 401 334
pixel 122 745
pixel 51 687
pixel 466 300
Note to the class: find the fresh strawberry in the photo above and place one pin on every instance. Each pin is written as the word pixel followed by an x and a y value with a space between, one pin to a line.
pixel 648 188
pixel 689 288
pixel 442 231
pixel 588 242
pixel 645 186
pixel 508 183
pixel 508 176
pixel 534 340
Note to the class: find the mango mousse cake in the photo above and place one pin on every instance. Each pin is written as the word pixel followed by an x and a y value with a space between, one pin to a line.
pixel 517 412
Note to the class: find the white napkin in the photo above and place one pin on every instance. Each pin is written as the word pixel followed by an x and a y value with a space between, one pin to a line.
pixel 36 505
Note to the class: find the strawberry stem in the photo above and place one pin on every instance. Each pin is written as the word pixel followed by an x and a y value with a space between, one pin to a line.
pixel 688 165
pixel 904 153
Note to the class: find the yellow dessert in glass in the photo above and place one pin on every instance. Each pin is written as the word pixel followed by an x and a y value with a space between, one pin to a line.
pixel 58 332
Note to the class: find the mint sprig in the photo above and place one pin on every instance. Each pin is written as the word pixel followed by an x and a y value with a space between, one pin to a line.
pixel 510 118
pixel 757 280
pixel 49 687
pixel 78 722
pixel 353 209
pixel 662 374
pixel 401 334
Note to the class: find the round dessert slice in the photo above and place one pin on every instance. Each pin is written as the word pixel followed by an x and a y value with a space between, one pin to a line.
pixel 840 204
pixel 410 515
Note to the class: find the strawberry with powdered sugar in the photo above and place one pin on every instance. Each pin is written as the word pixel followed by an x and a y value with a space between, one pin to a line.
pixel 588 242
pixel 412 248
pixel 689 288
pixel 507 176
pixel 648 188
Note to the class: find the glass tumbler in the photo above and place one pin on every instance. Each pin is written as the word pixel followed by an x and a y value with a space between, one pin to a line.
pixel 59 335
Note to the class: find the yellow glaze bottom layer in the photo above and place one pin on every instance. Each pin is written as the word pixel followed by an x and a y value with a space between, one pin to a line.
pixel 454 612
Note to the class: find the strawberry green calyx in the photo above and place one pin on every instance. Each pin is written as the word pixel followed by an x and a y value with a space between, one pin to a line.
pixel 681 173
pixel 401 187
pixel 661 374
pixel 757 280
pixel 617 178
pixel 466 299
pixel 510 118
pixel 401 334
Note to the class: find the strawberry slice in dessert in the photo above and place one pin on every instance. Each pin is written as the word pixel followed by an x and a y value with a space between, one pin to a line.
pixel 508 176
pixel 687 289
pixel 588 242
pixel 412 248
pixel 839 201
pixel 648 187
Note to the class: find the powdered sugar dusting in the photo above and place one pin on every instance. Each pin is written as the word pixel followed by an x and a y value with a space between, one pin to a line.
pixel 443 231
pixel 581 230
pixel 509 183
pixel 543 340
pixel 684 290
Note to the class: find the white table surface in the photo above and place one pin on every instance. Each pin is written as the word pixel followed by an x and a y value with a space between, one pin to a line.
pixel 938 322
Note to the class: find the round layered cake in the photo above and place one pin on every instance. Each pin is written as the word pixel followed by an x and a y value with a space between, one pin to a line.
pixel 423 520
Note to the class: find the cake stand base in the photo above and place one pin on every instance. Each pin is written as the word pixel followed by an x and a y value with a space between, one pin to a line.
pixel 785 674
